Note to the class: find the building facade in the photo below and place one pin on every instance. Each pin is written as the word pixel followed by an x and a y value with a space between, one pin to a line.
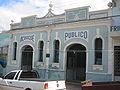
pixel 74 46
pixel 4 42
pixel 115 39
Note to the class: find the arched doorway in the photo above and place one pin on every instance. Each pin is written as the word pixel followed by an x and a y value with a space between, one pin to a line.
pixel 76 63
pixel 27 58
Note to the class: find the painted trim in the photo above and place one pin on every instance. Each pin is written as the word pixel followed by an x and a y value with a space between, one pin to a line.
pixel 93 45
pixel 93 41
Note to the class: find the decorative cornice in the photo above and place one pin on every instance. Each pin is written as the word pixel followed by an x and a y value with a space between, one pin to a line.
pixel 106 22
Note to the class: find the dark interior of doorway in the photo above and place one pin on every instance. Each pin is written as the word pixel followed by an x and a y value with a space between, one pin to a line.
pixel 117 61
pixel 27 55
pixel 76 63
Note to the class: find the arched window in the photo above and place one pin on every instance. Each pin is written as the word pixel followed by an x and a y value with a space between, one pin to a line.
pixel 56 51
pixel 98 51
pixel 14 50
pixel 41 45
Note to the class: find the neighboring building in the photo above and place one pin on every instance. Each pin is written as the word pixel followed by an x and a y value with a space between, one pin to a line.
pixel 4 43
pixel 73 46
pixel 115 39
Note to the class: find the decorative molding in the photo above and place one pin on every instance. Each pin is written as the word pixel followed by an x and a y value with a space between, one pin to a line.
pixel 41 36
pixel 98 32
pixel 39 64
pixel 20 52
pixel 49 14
pixel 56 36
pixel 116 42
pixel 99 67
pixel 93 40
pixel 55 65
pixel 65 54
pixel 56 70
pixel 64 26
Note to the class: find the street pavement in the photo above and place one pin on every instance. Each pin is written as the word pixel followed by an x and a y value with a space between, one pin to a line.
pixel 1 88
pixel 73 86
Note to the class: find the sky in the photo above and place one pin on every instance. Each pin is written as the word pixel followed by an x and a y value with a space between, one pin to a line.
pixel 16 9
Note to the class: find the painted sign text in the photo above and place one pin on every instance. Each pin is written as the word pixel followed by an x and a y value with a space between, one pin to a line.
pixel 76 34
pixel 27 38
pixel 115 28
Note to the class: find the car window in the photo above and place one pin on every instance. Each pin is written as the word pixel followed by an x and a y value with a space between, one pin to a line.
pixel 10 75
pixel 28 75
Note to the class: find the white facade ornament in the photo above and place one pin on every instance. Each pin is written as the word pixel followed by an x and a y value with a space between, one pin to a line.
pixel 98 32
pixel 56 36
pixel 41 35
pixel 50 5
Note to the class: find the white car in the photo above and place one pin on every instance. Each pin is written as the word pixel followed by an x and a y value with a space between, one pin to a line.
pixel 29 80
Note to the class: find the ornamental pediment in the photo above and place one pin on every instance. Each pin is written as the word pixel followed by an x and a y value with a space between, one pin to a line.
pixel 49 14
pixel 70 15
